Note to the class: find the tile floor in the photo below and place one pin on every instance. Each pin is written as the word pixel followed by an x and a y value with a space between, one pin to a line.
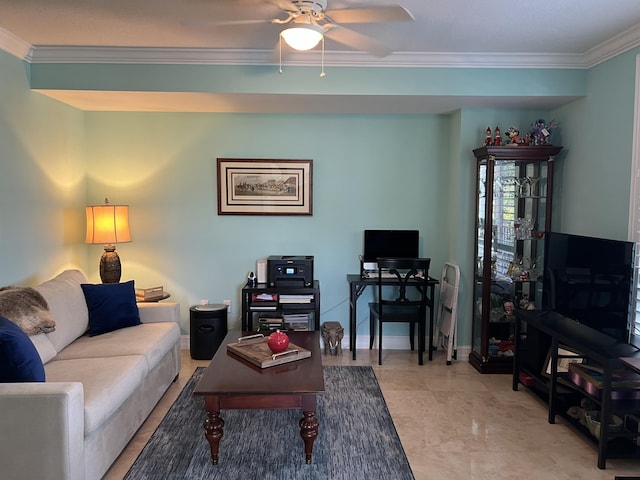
pixel 454 424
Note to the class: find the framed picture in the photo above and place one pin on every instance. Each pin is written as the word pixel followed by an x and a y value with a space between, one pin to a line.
pixel 565 357
pixel 264 187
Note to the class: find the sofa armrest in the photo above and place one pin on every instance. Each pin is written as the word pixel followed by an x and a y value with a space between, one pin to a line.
pixel 159 312
pixel 42 427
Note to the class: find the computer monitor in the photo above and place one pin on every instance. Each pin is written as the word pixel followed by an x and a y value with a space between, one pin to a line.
pixel 389 243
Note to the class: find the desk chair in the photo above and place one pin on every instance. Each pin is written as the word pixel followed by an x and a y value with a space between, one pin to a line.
pixel 395 304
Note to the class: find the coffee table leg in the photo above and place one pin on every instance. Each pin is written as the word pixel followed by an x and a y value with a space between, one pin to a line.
pixel 213 431
pixel 309 432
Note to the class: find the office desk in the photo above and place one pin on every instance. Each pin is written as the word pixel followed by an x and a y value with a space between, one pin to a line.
pixel 357 285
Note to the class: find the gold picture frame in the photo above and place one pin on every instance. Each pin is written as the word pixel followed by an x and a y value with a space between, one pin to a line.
pixel 248 186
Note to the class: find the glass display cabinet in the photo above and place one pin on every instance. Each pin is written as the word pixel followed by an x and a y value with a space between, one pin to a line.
pixel 513 211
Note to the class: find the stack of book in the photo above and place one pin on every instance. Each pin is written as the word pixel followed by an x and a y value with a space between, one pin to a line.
pixel 296 321
pixel 149 294
pixel 296 298
pixel 270 322
pixel 292 302
pixel 264 301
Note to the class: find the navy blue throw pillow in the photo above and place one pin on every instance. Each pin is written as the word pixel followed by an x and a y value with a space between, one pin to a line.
pixel 111 306
pixel 19 359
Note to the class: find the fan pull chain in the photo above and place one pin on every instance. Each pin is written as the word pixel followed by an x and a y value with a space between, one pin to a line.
pixel 322 74
pixel 280 45
pixel 322 68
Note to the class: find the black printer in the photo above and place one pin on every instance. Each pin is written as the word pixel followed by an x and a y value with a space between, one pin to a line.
pixel 290 270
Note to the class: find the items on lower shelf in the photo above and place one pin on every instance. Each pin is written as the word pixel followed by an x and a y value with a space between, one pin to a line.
pixel 501 348
pixel 296 321
pixel 591 377
pixel 272 307
pixel 271 322
pixel 591 381
pixel 583 412
pixel 264 301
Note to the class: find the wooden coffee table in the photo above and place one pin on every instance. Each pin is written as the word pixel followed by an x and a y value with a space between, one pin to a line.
pixel 230 382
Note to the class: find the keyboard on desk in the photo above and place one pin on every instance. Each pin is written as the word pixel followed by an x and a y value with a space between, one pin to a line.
pixel 373 274
pixel 379 274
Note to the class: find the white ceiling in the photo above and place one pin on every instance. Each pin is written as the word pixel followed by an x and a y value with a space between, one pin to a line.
pixel 525 33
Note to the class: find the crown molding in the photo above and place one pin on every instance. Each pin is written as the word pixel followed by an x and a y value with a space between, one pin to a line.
pixel 14 45
pixel 204 56
pixel 616 45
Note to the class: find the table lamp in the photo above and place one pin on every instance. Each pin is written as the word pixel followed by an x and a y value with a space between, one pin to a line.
pixel 108 224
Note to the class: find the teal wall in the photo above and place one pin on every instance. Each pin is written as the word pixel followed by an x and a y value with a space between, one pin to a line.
pixel 514 82
pixel 42 180
pixel 368 172
pixel 595 169
pixel 55 159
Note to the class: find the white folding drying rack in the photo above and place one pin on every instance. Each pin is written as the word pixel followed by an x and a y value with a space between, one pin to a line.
pixel 447 322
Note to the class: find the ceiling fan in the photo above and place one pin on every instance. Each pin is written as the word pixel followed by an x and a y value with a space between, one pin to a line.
pixel 306 22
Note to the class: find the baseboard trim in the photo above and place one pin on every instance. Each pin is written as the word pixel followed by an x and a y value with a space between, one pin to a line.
pixel 362 343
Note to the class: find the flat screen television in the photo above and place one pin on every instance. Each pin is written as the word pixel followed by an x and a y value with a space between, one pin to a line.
pixel 590 280
pixel 389 243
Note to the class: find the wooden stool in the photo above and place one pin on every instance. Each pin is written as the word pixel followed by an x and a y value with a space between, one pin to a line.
pixel 332 333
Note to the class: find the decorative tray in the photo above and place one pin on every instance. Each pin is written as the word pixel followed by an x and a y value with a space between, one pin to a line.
pixel 254 349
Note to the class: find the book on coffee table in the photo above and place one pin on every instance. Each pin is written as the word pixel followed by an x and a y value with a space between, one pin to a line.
pixel 257 351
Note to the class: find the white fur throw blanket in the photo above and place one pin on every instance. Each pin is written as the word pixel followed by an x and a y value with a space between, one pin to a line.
pixel 27 308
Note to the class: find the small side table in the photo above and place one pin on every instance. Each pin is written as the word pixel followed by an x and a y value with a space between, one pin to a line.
pixel 165 295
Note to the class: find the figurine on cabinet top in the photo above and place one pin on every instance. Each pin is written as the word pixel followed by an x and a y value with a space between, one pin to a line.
pixel 497 141
pixel 488 141
pixel 514 136
pixel 541 132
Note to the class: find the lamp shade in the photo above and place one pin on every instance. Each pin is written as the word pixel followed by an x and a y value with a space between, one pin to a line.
pixel 108 224
pixel 302 36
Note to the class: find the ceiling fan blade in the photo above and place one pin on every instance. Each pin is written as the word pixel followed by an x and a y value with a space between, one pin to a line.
pixel 285 5
pixel 280 4
pixel 234 12
pixel 393 13
pixel 356 40
pixel 227 23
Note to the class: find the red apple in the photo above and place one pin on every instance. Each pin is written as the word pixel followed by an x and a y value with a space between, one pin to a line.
pixel 278 341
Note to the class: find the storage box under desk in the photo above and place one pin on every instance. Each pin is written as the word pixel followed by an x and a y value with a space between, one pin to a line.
pixel 590 380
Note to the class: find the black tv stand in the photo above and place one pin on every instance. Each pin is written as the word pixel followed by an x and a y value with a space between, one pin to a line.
pixel 595 347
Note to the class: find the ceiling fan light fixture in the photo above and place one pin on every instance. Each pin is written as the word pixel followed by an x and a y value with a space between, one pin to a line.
pixel 302 36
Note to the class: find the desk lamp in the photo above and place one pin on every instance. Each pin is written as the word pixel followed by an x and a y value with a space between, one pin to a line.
pixel 108 224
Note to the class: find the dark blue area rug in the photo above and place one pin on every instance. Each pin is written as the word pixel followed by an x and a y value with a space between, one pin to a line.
pixel 357 438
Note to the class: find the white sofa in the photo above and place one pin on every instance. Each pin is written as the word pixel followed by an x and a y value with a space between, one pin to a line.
pixel 98 390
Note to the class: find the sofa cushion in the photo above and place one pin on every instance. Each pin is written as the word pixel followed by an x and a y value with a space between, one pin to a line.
pixel 111 306
pixel 27 308
pixel 19 359
pixel 43 345
pixel 152 340
pixel 67 306
pixel 107 383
